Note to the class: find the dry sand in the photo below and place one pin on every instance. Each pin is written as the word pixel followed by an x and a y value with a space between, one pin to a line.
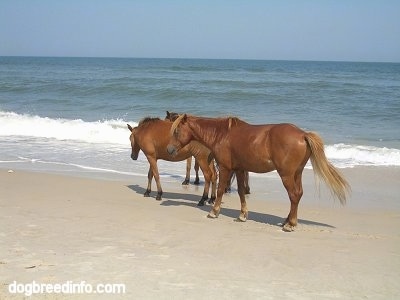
pixel 55 229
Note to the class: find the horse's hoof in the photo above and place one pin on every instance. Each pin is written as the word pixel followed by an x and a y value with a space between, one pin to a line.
pixel 211 215
pixel 241 219
pixel 185 182
pixel 196 182
pixel 288 228
pixel 211 201
pixel 201 203
pixel 158 196
pixel 146 194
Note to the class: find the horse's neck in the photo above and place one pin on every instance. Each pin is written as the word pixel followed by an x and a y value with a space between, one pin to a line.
pixel 207 132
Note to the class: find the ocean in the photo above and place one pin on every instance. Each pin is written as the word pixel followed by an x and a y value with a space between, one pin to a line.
pixel 69 115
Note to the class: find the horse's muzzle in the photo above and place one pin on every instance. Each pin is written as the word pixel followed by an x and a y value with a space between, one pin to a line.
pixel 171 150
pixel 134 156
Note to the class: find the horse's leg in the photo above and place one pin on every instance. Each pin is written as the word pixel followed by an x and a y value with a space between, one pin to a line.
pixel 196 169
pixel 207 178
pixel 294 189
pixel 149 179
pixel 213 183
pixel 154 168
pixel 229 183
pixel 246 183
pixel 240 177
pixel 188 166
pixel 223 179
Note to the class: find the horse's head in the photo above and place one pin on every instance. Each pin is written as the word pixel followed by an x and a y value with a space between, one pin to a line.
pixel 135 146
pixel 181 135
pixel 171 116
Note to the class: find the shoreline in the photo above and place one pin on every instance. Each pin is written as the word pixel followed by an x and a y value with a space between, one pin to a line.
pixel 58 228
pixel 363 180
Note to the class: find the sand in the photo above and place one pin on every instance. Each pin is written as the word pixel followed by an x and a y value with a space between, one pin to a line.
pixel 55 229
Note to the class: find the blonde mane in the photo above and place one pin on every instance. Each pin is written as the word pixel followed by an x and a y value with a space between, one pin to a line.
pixel 176 123
pixel 233 121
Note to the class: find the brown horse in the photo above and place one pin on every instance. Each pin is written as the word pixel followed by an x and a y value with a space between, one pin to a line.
pixel 172 116
pixel 152 137
pixel 239 146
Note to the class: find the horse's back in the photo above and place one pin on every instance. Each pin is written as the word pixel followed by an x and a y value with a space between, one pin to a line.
pixel 263 148
pixel 155 131
pixel 265 133
pixel 286 132
pixel 153 138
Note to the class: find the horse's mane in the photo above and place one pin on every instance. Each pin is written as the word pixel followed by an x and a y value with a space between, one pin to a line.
pixel 176 123
pixel 147 120
pixel 232 121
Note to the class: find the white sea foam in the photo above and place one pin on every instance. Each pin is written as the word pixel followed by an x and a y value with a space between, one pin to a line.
pixel 115 132
pixel 344 155
pixel 106 131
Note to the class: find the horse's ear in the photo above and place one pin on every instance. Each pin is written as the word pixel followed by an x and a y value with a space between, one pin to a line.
pixel 130 127
pixel 184 118
pixel 168 114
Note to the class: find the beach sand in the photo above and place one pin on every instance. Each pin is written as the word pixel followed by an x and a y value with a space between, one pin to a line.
pixel 55 229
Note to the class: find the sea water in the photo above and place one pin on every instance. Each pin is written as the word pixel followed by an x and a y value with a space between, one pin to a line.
pixel 69 115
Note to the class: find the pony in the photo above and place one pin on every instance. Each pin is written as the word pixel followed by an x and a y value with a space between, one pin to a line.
pixel 172 116
pixel 238 146
pixel 152 137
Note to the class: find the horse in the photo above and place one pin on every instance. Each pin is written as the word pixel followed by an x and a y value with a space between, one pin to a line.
pixel 239 146
pixel 172 116
pixel 152 137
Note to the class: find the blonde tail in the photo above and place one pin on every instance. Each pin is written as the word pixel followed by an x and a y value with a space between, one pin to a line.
pixel 324 169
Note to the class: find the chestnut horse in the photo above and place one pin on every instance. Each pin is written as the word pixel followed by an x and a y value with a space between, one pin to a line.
pixel 152 137
pixel 172 116
pixel 239 146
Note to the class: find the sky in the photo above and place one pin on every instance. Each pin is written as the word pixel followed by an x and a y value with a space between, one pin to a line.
pixel 333 30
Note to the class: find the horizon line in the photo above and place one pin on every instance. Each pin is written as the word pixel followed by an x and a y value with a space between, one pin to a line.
pixel 199 58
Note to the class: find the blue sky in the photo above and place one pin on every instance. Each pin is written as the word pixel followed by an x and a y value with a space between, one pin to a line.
pixel 344 30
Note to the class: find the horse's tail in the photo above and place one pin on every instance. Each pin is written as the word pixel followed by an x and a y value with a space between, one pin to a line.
pixel 324 169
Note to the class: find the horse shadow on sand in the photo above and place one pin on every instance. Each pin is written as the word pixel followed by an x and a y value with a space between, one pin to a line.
pixel 188 199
